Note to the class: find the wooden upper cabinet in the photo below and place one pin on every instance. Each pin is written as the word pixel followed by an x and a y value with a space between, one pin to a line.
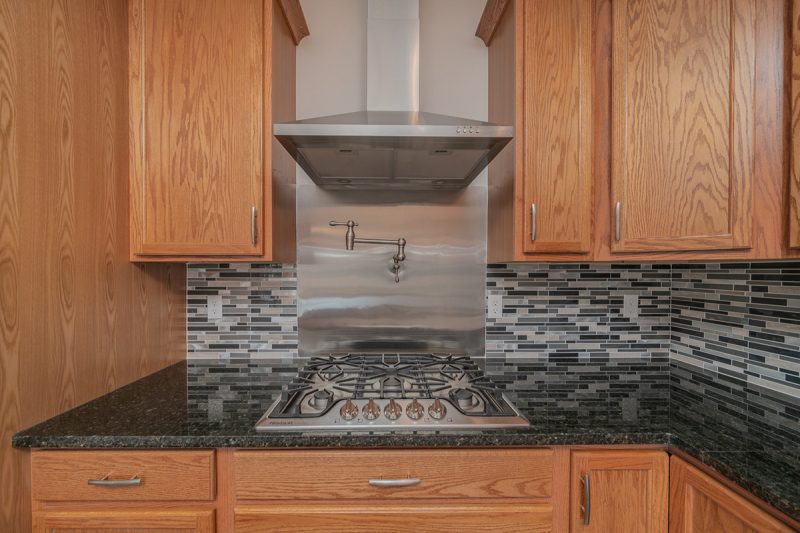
pixel 699 504
pixel 619 491
pixel 683 113
pixel 556 128
pixel 794 196
pixel 540 80
pixel 201 102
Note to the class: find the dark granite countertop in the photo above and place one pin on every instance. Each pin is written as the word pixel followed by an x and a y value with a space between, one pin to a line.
pixel 206 404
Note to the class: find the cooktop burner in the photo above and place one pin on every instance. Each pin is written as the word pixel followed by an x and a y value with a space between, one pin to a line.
pixel 371 392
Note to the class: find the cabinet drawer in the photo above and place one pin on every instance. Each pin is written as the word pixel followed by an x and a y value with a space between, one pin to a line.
pixel 328 475
pixel 165 476
pixel 399 518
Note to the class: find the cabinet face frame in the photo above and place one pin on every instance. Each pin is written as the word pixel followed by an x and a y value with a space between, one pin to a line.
pixel 141 196
pixel 740 140
pixel 557 157
pixel 794 140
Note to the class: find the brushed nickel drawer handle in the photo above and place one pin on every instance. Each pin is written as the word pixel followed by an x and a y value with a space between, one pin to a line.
pixel 533 221
pixel 105 482
pixel 407 482
pixel 253 227
pixel 617 228
pixel 586 508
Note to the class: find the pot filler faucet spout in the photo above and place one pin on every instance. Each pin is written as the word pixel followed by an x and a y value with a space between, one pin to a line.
pixel 350 240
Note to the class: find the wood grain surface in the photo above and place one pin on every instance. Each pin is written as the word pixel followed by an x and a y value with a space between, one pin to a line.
pixel 208 79
pixel 699 504
pixel 77 319
pixel 140 521
pixel 203 91
pixel 507 228
pixel 445 474
pixel 628 491
pixel 504 221
pixel 683 123
pixel 279 192
pixel 295 19
pixel 557 126
pixel 490 20
pixel 794 194
pixel 165 475
pixel 476 517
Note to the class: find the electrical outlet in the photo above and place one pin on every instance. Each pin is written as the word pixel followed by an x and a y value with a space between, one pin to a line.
pixel 495 306
pixel 215 307
pixel 630 307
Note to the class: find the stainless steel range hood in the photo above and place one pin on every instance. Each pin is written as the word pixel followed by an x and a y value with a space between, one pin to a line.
pixel 392 149
pixel 392 145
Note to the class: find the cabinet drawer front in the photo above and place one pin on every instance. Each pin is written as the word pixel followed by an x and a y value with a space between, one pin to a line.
pixel 479 517
pixel 65 475
pixel 138 521
pixel 322 475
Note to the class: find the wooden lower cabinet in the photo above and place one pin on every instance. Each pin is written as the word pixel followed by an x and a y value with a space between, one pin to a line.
pixel 559 489
pixel 700 504
pixel 124 521
pixel 619 491
pixel 395 518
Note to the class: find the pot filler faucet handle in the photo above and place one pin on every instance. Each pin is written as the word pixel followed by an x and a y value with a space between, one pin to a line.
pixel 398 258
pixel 350 236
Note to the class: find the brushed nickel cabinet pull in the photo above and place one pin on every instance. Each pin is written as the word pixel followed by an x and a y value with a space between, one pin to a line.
pixel 533 221
pixel 617 209
pixel 113 483
pixel 253 229
pixel 407 482
pixel 586 508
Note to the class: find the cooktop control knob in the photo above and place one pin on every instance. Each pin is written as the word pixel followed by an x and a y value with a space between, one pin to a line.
pixel 437 409
pixel 414 410
pixel 349 410
pixel 392 410
pixel 371 410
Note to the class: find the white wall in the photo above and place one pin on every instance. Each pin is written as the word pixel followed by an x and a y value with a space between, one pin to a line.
pixel 454 63
pixel 332 61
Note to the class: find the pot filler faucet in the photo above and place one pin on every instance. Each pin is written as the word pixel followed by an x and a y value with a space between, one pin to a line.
pixel 350 240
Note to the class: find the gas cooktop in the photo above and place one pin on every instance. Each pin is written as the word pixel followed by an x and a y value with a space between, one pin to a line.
pixel 379 392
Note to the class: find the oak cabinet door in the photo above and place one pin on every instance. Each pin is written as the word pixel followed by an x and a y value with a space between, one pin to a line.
pixel 197 71
pixel 620 491
pixel 699 504
pixel 794 197
pixel 682 124
pixel 557 93
pixel 399 518
pixel 138 521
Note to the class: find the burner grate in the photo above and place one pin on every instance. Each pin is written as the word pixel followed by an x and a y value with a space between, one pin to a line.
pixel 325 380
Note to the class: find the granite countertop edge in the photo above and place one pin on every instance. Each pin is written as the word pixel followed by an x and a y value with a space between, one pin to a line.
pixel 334 440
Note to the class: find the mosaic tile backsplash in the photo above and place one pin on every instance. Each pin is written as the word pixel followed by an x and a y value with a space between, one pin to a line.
pixel 740 321
pixel 259 310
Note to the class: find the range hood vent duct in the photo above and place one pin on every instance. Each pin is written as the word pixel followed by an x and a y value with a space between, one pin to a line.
pixel 392 145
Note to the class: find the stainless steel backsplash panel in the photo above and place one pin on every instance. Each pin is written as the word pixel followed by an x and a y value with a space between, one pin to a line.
pixel 348 300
